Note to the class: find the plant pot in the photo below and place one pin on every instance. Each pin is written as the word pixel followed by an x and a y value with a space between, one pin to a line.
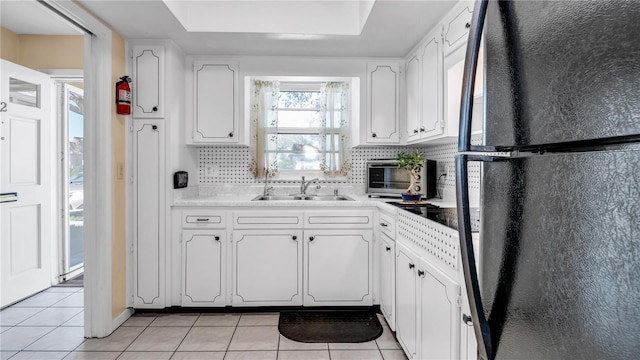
pixel 411 197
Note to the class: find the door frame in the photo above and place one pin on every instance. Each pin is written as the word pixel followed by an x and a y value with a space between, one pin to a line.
pixel 98 318
pixel 60 83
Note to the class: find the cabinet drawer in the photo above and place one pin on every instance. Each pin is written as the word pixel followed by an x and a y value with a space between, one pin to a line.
pixel 267 220
pixel 341 219
pixel 387 225
pixel 203 219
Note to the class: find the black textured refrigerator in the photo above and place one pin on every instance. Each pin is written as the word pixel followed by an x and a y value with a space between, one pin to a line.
pixel 559 269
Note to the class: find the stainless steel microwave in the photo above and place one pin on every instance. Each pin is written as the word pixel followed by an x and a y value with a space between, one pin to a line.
pixel 385 179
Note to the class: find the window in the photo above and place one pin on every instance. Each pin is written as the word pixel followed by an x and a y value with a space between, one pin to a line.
pixel 300 127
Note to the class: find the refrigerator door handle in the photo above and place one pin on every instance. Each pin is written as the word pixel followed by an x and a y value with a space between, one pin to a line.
pixel 480 325
pixel 469 75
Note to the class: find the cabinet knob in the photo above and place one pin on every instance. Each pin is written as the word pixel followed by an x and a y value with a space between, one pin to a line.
pixel 467 319
pixel 311 238
pixel 422 129
pixel 388 248
pixel 411 266
pixel 420 273
pixel 230 134
pixel 467 25
pixel 415 131
pixel 154 127
pixel 373 135
pixel 383 225
pixel 294 237
pixel 155 108
pixel 217 238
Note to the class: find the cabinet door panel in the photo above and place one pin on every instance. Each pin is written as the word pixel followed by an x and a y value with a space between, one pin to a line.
pixel 387 279
pixel 440 314
pixel 148 239
pixel 457 26
pixel 267 267
pixel 413 98
pixel 406 301
pixel 215 117
pixel 148 81
pixel 338 267
pixel 431 96
pixel 383 100
pixel 203 268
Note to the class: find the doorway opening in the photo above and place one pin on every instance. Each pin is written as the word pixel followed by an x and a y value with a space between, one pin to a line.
pixel 70 114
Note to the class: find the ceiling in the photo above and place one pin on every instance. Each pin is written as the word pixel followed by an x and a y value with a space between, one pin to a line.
pixel 28 17
pixel 392 28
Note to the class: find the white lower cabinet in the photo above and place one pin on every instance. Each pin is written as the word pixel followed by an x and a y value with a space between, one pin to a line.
pixel 149 261
pixel 439 314
pixel 267 267
pixel 386 268
pixel 407 301
pixel 338 267
pixel 203 267
pixel 427 310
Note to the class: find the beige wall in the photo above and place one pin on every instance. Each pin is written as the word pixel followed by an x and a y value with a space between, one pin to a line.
pixel 8 45
pixel 67 52
pixel 42 51
pixel 118 246
pixel 51 51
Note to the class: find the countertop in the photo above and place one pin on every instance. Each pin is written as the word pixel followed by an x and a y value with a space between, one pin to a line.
pixel 245 200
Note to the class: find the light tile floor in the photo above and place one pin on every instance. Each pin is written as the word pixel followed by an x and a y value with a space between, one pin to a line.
pixel 49 325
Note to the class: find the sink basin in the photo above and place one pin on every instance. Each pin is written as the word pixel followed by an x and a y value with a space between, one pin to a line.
pixel 277 197
pixel 328 198
pixel 302 197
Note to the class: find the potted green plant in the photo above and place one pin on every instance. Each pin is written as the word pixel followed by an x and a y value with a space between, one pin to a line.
pixel 412 162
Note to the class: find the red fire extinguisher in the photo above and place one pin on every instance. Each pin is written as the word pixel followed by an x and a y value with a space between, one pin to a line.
pixel 123 96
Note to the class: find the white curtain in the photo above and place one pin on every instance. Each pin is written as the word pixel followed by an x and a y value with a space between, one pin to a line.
pixel 335 138
pixel 264 112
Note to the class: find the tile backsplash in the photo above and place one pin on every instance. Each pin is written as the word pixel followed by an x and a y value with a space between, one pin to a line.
pixel 229 165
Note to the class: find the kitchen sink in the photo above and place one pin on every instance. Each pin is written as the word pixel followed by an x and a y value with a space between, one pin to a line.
pixel 302 197
pixel 328 198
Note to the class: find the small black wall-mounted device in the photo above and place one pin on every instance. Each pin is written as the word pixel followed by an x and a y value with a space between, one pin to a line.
pixel 180 179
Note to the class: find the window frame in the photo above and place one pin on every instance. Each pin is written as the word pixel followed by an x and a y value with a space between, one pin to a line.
pixel 309 83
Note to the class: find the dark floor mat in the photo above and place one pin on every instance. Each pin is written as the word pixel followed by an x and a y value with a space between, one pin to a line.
pixel 336 326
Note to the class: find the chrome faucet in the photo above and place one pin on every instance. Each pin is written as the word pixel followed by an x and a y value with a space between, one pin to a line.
pixel 267 188
pixel 304 185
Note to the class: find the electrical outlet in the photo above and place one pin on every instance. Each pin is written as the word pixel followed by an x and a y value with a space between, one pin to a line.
pixel 120 171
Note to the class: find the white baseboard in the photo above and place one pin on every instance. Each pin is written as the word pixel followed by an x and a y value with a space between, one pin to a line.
pixel 121 318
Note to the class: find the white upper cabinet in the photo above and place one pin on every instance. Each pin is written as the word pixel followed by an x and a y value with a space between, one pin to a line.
pixel 148 81
pixel 424 89
pixel 457 25
pixel 434 73
pixel 383 103
pixel 412 81
pixel 215 102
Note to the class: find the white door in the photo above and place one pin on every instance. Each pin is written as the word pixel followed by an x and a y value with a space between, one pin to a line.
pixel 26 226
pixel 73 181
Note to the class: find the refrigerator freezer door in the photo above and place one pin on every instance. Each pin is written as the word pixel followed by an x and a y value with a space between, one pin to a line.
pixel 561 71
pixel 560 237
